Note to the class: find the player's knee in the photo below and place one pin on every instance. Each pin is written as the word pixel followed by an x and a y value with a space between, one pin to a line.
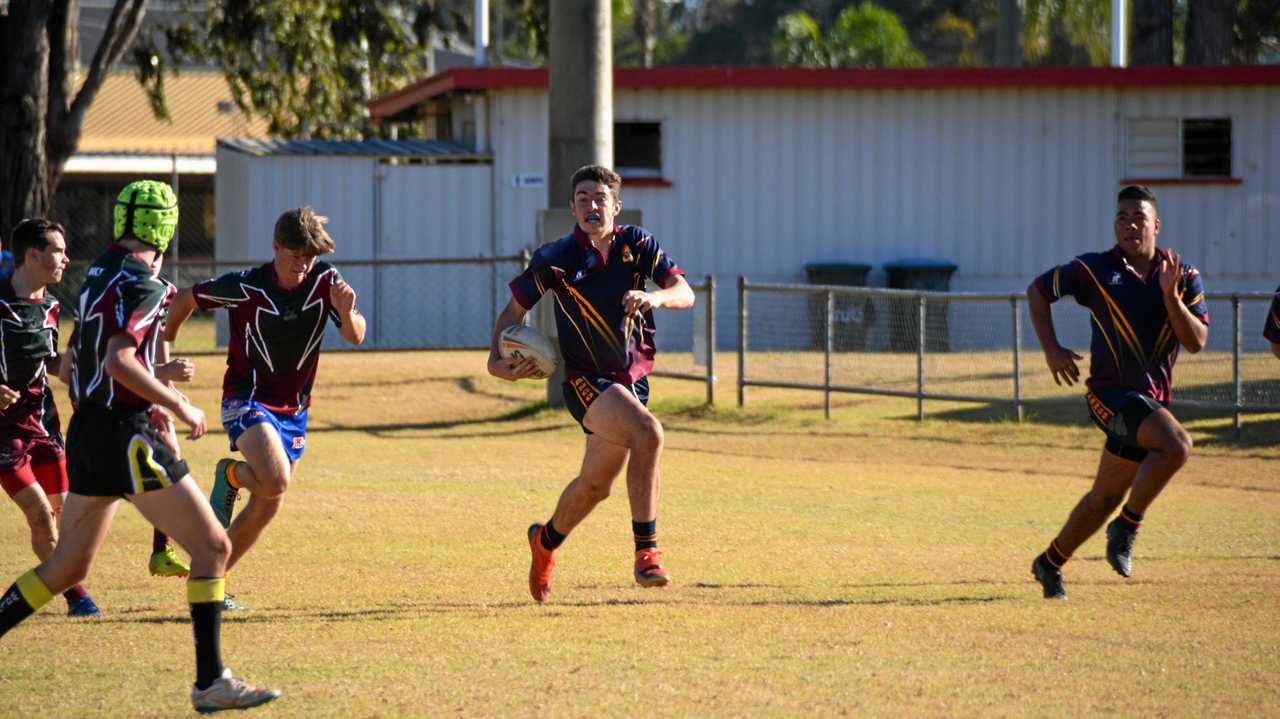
pixel 1178 448
pixel 43 523
pixel 274 485
pixel 648 435
pixel 214 549
pixel 597 491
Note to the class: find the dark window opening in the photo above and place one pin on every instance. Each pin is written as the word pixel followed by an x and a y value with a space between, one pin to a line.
pixel 1206 147
pixel 637 148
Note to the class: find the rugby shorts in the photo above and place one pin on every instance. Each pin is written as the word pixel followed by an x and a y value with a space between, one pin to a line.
pixel 115 453
pixel 1119 413
pixel 238 415
pixel 580 392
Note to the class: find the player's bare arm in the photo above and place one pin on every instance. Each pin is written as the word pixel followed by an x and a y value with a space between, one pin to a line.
pixel 123 366
pixel 509 369
pixel 184 303
pixel 1061 361
pixel 8 396
pixel 343 298
pixel 1189 329
pixel 677 295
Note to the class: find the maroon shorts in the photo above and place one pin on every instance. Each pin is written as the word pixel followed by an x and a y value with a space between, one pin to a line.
pixel 25 461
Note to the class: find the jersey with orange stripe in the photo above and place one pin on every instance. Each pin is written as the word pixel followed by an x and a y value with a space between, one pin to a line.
pixel 597 337
pixel 1272 329
pixel 1133 345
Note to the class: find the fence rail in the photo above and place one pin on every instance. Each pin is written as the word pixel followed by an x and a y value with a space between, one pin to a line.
pixel 917 325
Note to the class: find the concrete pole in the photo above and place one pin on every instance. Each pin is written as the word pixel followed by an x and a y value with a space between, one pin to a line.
pixel 580 103
pixel 1119 33
pixel 481 22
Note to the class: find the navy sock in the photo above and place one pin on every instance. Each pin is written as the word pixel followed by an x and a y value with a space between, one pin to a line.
pixel 1133 518
pixel 158 541
pixel 551 539
pixel 646 534
pixel 1056 556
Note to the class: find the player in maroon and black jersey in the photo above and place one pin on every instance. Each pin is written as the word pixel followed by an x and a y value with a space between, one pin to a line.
pixel 33 467
pixel 1146 304
pixel 604 316
pixel 116 448
pixel 278 313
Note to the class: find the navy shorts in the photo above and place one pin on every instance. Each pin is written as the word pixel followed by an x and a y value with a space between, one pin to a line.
pixel 580 392
pixel 1119 413
pixel 239 415
pixel 114 453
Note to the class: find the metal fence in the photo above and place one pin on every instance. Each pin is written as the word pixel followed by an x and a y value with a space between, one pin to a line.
pixel 698 365
pixel 968 347
pixel 409 304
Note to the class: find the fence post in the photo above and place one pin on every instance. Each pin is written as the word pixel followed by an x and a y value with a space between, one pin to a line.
pixel 920 336
pixel 829 334
pixel 1017 357
pixel 742 341
pixel 1236 380
pixel 711 340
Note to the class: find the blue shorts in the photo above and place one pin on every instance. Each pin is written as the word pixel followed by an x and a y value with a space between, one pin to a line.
pixel 580 392
pixel 1119 413
pixel 239 415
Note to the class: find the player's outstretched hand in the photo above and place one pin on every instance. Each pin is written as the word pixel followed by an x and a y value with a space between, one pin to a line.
pixel 513 368
pixel 1171 274
pixel 1062 363
pixel 193 417
pixel 637 301
pixel 180 369
pixel 8 396
pixel 343 297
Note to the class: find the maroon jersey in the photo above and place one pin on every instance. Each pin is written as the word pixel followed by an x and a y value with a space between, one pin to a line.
pixel 28 341
pixel 1272 329
pixel 120 294
pixel 275 333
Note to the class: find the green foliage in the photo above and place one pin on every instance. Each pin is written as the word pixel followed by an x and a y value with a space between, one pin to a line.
pixel 307 66
pixel 1067 31
pixel 864 35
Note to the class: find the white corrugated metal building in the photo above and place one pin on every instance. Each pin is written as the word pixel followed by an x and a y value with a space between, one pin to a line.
pixel 757 171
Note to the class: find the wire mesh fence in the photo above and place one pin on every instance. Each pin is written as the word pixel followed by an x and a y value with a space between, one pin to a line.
pixel 969 347
pixel 408 304
pixel 691 337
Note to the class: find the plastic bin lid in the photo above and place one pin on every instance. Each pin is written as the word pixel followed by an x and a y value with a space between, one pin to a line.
pixel 920 263
pixel 827 266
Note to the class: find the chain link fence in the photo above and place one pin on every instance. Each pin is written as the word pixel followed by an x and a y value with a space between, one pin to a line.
pixel 408 304
pixel 85 209
pixel 969 347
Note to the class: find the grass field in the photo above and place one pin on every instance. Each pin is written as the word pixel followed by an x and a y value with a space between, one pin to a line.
pixel 869 565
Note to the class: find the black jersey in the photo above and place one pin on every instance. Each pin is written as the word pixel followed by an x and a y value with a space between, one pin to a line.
pixel 120 294
pixel 28 341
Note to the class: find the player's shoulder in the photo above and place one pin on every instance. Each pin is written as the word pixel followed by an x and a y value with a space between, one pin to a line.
pixel 558 252
pixel 635 236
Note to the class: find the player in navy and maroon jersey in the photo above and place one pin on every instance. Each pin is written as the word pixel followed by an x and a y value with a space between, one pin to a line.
pixel 605 321
pixel 1272 329
pixel 277 315
pixel 33 467
pixel 1146 304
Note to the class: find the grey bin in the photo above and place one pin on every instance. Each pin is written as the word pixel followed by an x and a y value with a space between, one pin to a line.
pixel 904 318
pixel 852 317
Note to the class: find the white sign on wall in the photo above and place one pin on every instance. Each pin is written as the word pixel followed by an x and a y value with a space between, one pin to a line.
pixel 529 180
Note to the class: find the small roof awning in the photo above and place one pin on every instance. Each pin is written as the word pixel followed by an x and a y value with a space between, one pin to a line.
pixel 413 149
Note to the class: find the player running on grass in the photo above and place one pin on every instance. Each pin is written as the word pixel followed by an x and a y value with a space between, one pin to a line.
pixel 1145 304
pixel 114 451
pixel 277 314
pixel 605 320
pixel 33 466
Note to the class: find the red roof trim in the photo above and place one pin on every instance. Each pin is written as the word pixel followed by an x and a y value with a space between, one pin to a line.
pixel 738 78
pixel 1183 181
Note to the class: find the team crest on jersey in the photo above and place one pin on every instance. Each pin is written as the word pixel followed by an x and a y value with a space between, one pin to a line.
pixel 626 254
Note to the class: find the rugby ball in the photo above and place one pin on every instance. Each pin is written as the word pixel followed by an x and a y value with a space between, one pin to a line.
pixel 523 341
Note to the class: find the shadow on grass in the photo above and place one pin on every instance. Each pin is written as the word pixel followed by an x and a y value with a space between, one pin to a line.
pixel 384 430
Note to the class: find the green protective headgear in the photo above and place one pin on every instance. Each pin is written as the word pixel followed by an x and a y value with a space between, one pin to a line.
pixel 146 210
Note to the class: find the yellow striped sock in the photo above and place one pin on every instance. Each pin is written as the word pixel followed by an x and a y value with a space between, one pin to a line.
pixel 204 590
pixel 33 589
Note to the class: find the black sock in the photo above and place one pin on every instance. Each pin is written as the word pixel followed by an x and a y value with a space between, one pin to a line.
pixel 1056 556
pixel 74 593
pixel 206 624
pixel 21 600
pixel 551 539
pixel 1133 518
pixel 646 534
pixel 159 540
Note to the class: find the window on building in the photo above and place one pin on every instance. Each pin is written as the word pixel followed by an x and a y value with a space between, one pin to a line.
pixel 1178 148
pixel 637 149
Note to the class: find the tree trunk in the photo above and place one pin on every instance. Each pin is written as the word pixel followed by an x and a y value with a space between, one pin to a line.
pixel 646 25
pixel 1009 35
pixel 1209 32
pixel 1151 33
pixel 24 102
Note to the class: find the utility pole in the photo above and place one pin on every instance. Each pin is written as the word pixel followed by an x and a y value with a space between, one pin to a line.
pixel 580 102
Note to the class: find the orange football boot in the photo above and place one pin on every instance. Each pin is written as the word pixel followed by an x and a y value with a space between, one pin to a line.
pixel 649 571
pixel 540 568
